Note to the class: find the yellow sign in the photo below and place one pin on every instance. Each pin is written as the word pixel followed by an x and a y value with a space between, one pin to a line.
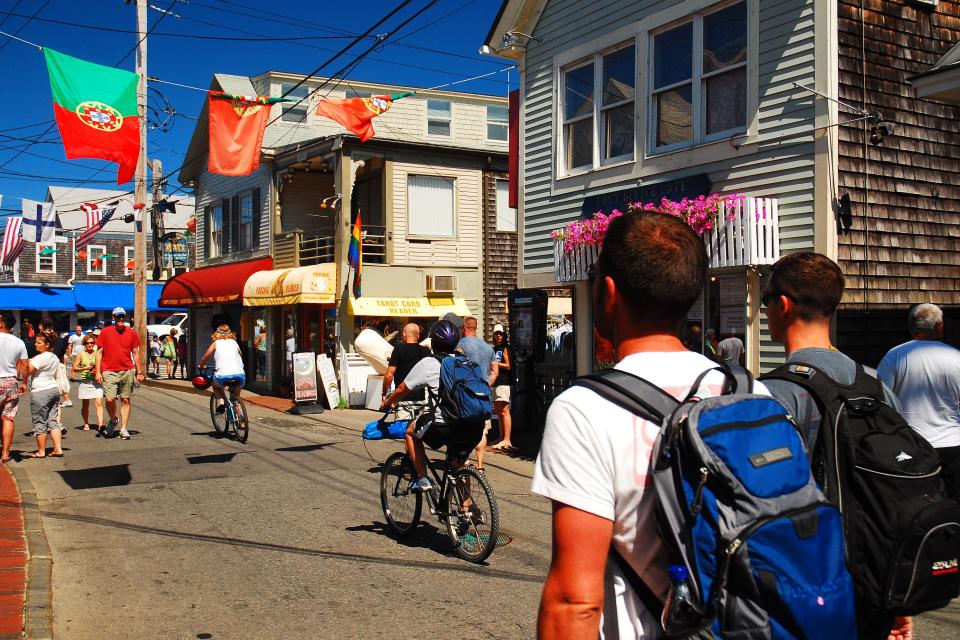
pixel 303 285
pixel 408 307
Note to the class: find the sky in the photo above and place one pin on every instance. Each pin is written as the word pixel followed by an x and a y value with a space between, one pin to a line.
pixel 437 47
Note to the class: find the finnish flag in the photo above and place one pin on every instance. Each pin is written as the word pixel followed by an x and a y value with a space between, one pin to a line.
pixel 39 221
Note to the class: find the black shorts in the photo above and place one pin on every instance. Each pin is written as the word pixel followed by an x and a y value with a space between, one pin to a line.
pixel 460 440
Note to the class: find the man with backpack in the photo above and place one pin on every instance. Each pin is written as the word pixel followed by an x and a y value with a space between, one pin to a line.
pixel 856 441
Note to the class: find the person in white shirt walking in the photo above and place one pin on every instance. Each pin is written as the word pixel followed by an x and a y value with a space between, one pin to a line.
pixel 925 376
pixel 45 396
pixel 14 368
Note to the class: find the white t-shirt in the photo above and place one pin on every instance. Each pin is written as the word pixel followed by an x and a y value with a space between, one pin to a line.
pixel 595 457
pixel 227 359
pixel 925 376
pixel 12 351
pixel 46 365
pixel 426 375
pixel 75 343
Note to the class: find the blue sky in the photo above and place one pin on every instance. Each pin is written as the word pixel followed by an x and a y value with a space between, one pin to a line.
pixel 420 58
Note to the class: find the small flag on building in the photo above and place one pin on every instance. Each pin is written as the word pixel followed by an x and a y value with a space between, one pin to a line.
pixel 102 216
pixel 96 111
pixel 40 221
pixel 355 256
pixel 13 241
pixel 355 114
pixel 92 214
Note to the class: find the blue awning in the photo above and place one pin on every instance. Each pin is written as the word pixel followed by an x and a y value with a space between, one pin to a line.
pixel 103 296
pixel 37 299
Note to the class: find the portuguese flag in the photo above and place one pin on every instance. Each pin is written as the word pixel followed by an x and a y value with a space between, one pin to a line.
pixel 355 114
pixel 236 125
pixel 96 111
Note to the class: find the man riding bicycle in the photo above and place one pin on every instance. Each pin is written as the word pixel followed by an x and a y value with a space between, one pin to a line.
pixel 429 427
pixel 228 362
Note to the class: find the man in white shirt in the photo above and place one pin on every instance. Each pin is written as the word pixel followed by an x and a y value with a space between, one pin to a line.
pixel 74 344
pixel 14 368
pixel 594 462
pixel 925 375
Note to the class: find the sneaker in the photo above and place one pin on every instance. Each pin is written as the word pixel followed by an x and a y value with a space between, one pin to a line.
pixel 124 434
pixel 221 408
pixel 111 426
pixel 100 429
pixel 66 403
pixel 418 486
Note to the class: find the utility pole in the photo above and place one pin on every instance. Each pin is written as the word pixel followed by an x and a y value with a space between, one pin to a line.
pixel 140 193
pixel 156 219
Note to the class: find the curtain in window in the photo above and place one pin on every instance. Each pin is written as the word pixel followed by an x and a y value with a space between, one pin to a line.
pixel 506 215
pixel 430 208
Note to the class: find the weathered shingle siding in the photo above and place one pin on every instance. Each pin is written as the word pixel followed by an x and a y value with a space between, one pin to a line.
pixel 913 200
pixel 212 189
pixel 499 259
pixel 783 165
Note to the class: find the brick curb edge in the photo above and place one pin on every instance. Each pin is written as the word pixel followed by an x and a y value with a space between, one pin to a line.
pixel 38 605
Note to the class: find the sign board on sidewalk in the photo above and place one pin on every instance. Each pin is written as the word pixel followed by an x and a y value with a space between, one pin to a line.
pixel 304 377
pixel 328 378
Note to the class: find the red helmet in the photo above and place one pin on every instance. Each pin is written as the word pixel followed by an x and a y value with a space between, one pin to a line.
pixel 201 382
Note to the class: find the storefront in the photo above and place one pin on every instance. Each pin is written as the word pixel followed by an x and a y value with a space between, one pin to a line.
pixel 389 315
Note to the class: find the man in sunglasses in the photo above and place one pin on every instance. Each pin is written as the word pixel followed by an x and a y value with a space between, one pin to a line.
pixel 118 370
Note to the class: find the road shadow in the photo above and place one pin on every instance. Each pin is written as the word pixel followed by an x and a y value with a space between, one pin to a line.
pixel 97 477
pixel 216 458
pixel 307 447
pixel 424 535
pixel 211 434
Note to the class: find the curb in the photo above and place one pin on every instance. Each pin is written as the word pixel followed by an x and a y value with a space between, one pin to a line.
pixel 38 607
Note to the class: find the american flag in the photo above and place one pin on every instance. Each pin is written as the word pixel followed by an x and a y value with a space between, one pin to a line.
pixel 92 212
pixel 100 219
pixel 13 241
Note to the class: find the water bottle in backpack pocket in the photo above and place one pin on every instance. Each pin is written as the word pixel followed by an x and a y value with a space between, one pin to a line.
pixel 738 507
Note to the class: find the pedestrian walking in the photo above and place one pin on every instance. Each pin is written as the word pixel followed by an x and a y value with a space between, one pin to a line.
pixel 168 350
pixel 476 349
pixel 595 458
pixel 501 387
pixel 402 359
pixel 155 354
pixel 182 355
pixel 74 344
pixel 45 396
pixel 89 389
pixel 924 373
pixel 118 370
pixel 14 368
pixel 730 351
pixel 260 347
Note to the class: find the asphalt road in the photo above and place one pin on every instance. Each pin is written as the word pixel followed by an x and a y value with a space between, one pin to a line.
pixel 176 534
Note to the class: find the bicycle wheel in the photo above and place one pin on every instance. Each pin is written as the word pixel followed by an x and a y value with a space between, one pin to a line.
pixel 474 521
pixel 219 419
pixel 400 507
pixel 241 426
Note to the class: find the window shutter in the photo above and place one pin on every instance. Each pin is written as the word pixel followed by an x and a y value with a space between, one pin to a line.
pixel 256 218
pixel 235 224
pixel 226 225
pixel 207 231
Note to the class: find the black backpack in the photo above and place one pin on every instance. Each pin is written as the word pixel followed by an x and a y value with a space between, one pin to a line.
pixel 901 529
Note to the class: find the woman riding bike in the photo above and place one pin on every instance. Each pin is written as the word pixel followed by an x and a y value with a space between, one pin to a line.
pixel 228 363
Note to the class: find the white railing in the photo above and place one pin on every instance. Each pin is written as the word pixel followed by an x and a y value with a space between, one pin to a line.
pixel 750 237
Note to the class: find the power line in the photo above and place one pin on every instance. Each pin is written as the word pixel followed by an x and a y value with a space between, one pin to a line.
pixel 144 36
pixel 24 25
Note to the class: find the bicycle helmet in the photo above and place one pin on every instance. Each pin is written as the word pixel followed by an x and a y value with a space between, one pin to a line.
pixel 201 382
pixel 444 336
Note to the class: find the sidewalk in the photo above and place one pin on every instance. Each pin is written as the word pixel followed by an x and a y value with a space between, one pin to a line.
pixel 13 558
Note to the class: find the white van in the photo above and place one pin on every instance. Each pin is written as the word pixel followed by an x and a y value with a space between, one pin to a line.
pixel 176 321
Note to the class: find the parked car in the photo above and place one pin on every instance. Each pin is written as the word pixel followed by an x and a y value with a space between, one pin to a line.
pixel 176 321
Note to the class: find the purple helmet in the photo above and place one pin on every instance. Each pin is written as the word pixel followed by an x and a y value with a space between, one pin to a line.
pixel 444 336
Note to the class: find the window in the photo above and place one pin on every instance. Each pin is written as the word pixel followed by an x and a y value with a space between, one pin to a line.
pixel 700 79
pixel 215 233
pixel 497 126
pixel 599 108
pixel 358 93
pixel 127 257
pixel 506 215
pixel 291 112
pixel 430 206
pixel 46 258
pixel 96 263
pixel 439 116
pixel 246 221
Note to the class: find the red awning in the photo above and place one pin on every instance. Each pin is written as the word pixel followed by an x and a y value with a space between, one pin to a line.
pixel 211 285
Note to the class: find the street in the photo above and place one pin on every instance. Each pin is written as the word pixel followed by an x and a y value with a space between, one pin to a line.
pixel 176 534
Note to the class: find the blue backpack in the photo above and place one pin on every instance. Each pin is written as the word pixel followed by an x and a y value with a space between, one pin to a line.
pixel 464 392
pixel 737 504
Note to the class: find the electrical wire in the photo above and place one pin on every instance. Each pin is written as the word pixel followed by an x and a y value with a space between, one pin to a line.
pixel 24 25
pixel 144 36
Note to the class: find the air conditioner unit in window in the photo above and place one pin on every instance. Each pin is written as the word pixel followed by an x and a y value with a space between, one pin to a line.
pixel 442 284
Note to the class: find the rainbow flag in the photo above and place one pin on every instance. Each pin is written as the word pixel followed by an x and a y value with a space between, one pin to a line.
pixel 355 256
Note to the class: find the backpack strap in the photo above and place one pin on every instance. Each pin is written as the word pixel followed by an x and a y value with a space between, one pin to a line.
pixel 824 389
pixel 649 599
pixel 630 392
pixel 736 380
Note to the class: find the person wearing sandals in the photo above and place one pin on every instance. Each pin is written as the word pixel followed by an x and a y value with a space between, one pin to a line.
pixel 45 396
pixel 169 352
pixel 14 368
pixel 89 389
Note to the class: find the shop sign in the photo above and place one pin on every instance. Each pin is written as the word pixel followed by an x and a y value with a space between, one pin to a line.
pixel 689 187
pixel 304 377
pixel 331 388
pixel 173 248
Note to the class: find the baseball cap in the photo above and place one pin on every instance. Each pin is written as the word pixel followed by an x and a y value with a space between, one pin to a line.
pixel 119 311
pixel 498 328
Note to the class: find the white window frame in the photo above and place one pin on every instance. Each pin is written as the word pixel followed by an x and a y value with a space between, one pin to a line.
pixel 697 83
pixel 52 258
pixel 564 122
pixel 245 243
pixel 288 108
pixel 430 119
pixel 454 209
pixel 102 269
pixel 506 215
pixel 214 244
pixel 127 257
pixel 504 124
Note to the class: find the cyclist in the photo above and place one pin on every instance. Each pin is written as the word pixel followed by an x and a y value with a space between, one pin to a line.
pixel 228 363
pixel 429 426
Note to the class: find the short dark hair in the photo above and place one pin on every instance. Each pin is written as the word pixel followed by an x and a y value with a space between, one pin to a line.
pixel 658 263
pixel 9 320
pixel 813 281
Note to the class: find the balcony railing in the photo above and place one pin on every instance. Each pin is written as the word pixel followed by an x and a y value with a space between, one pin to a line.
pixel 750 238
pixel 298 249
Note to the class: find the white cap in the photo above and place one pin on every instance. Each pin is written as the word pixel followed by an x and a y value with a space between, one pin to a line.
pixel 498 328
pixel 119 311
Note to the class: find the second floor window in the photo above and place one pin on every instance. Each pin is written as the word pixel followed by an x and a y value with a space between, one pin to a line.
pixel 245 219
pixel 430 207
pixel 214 230
pixel 506 215
pixel 439 117
pixel 127 261
pixel 291 112
pixel 497 127
pixel 96 263
pixel 46 260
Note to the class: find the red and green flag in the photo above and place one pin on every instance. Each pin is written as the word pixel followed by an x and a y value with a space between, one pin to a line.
pixel 96 111
pixel 236 126
pixel 355 114
pixel 355 255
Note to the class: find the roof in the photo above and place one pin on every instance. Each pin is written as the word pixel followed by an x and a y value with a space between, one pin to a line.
pixel 942 80
pixel 67 201
pixel 514 15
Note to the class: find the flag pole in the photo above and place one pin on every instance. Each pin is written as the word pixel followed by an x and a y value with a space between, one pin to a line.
pixel 140 193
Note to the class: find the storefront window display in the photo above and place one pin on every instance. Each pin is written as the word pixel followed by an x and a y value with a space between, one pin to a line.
pixel 726 312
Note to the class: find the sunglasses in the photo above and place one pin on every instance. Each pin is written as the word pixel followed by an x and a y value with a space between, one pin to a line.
pixel 119 317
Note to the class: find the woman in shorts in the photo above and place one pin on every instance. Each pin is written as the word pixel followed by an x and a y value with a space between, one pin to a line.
pixel 228 362
pixel 89 389
pixel 45 396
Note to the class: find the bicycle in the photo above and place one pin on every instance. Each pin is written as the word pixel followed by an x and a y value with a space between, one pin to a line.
pixel 465 504
pixel 233 418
